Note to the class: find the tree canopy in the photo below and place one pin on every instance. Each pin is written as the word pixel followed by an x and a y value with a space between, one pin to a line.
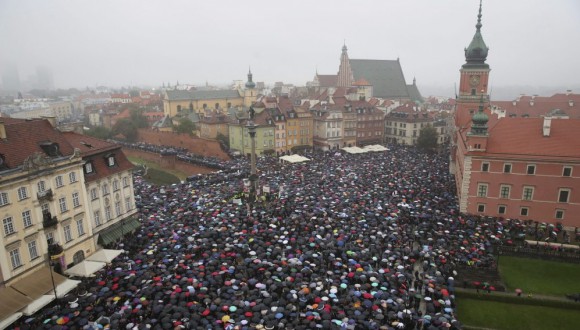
pixel 427 138
pixel 185 126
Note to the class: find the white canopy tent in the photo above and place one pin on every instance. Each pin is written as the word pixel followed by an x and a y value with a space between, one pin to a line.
pixel 37 304
pixel 5 323
pixel 369 148
pixel 66 287
pixel 105 255
pixel 85 268
pixel 294 158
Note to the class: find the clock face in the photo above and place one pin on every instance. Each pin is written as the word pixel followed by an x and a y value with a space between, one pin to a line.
pixel 474 80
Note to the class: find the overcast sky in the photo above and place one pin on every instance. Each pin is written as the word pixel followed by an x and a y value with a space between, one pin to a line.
pixel 147 42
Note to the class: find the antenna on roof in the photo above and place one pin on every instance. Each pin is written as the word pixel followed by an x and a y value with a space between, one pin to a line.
pixel 455 90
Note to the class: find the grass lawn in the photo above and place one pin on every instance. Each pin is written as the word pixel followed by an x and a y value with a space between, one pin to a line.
pixel 496 315
pixel 158 175
pixel 539 276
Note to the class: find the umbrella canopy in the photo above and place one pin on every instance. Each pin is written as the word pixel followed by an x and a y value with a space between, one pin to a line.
pixel 105 255
pixel 85 268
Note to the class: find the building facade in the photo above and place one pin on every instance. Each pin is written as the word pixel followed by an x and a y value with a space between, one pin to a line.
pixel 517 167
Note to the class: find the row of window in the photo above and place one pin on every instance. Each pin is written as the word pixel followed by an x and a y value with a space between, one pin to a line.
pixel 527 192
pixel 524 211
pixel 16 258
pixel 105 188
pixel 109 212
pixel 530 169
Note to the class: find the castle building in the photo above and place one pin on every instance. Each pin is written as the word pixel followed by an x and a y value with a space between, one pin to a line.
pixel 517 167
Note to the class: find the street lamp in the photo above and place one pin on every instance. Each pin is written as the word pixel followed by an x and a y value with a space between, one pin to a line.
pixel 253 176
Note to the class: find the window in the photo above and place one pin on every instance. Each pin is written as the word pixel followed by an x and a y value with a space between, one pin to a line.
pixel 118 208
pixel 528 193
pixel 62 204
pixel 45 207
pixel 67 233
pixel 80 227
pixel 8 226
pixel 15 258
pixel 480 208
pixel 3 198
pixel 128 203
pixel 507 168
pixel 22 193
pixel 559 214
pixel 50 238
pixel 72 177
pixel 41 186
pixel 105 189
pixel 26 219
pixel 108 215
pixel 111 161
pixel 58 181
pixel 88 168
pixel 32 250
pixel 94 194
pixel 125 181
pixel 564 195
pixel 501 209
pixel 115 185
pixel 97 218
pixel 482 190
pixel 567 171
pixel 504 191
pixel 76 200
pixel 524 211
pixel 531 169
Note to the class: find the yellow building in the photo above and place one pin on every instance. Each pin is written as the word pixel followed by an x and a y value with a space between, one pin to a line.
pixel 47 223
pixel 240 139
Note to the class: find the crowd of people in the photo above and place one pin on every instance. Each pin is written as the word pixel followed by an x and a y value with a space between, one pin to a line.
pixel 364 241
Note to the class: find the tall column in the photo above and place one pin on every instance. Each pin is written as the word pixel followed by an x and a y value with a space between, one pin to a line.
pixel 253 176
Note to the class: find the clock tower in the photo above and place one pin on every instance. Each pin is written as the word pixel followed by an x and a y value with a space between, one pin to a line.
pixel 473 84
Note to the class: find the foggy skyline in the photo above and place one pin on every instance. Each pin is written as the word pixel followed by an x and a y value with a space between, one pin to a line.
pixel 121 43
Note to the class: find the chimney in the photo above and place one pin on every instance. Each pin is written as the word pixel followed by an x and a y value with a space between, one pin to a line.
pixel 547 126
pixel 568 92
pixel 51 120
pixel 2 130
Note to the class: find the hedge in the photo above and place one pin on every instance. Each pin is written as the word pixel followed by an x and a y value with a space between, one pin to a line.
pixel 522 300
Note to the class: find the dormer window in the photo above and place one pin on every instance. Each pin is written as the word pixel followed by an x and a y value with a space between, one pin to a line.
pixel 88 168
pixel 51 149
pixel 110 159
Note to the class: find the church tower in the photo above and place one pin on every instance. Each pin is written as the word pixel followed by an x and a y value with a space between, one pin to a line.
pixel 473 83
pixel 345 75
pixel 250 93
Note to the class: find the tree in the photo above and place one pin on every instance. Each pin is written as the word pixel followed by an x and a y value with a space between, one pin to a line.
pixel 185 126
pixel 138 119
pixel 99 132
pixel 223 139
pixel 427 138
pixel 127 128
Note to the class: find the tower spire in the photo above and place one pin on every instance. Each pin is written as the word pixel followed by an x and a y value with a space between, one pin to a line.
pixel 476 52
pixel 478 25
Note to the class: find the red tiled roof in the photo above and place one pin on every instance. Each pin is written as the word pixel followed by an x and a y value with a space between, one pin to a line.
pixel 541 105
pixel 95 150
pixel 24 137
pixel 524 136
pixel 327 80
pixel 361 82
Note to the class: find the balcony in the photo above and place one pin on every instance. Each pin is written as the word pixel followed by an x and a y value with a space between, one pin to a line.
pixel 48 220
pixel 45 195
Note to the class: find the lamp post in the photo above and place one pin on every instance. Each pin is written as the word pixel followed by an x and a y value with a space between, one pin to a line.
pixel 253 176
pixel 52 277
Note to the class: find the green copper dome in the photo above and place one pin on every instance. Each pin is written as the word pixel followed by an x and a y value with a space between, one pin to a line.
pixel 250 84
pixel 479 121
pixel 476 52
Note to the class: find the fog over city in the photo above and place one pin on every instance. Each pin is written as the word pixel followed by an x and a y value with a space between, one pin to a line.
pixel 114 43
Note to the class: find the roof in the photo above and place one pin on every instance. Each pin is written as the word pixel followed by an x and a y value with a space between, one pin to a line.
pixel 524 136
pixel 414 93
pixel 386 76
pixel 95 150
pixel 180 95
pixel 24 137
pixel 568 103
pixel 327 80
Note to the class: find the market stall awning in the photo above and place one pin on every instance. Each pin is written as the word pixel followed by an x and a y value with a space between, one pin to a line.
pixel 38 283
pixel 85 268
pixel 294 158
pixel 118 230
pixel 11 301
pixel 38 304
pixel 66 287
pixel 104 255
pixel 6 322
